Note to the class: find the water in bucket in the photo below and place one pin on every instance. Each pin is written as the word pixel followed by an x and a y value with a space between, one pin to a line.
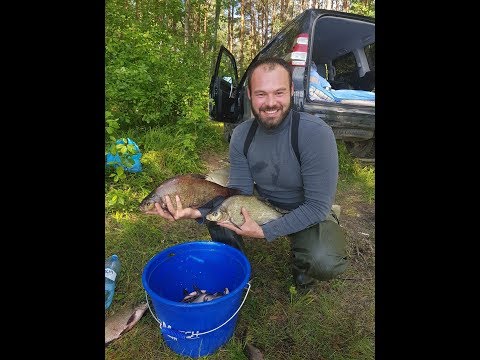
pixel 197 329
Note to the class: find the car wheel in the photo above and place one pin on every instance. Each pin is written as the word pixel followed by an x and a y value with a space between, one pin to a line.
pixel 361 149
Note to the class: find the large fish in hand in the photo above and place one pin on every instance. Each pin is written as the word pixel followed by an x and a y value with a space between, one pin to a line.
pixel 230 210
pixel 122 321
pixel 193 189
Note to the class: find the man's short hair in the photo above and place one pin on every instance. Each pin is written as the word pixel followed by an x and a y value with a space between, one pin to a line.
pixel 271 62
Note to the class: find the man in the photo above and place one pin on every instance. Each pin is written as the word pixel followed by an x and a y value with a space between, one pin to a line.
pixel 306 186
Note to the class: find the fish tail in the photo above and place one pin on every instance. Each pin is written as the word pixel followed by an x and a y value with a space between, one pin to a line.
pixel 232 191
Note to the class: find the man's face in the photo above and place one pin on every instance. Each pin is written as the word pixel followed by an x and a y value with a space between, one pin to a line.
pixel 270 94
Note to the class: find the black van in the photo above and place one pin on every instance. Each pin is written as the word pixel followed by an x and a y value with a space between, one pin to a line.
pixel 333 58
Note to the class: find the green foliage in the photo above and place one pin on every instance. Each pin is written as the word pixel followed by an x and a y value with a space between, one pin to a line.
pixel 352 172
pixel 152 77
pixel 362 8
pixel 119 147
pixel 121 199
pixel 345 162
pixel 293 292
pixel 118 174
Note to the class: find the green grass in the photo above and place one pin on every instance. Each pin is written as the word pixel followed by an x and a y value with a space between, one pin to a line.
pixel 333 321
pixel 354 174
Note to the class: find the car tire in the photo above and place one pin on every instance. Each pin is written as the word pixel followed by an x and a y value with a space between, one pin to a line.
pixel 361 149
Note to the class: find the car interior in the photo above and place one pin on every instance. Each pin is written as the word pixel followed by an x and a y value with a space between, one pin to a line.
pixel 344 52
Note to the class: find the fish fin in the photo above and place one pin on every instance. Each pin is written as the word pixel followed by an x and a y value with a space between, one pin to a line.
pixel 281 211
pixel 189 299
pixel 131 319
pixel 267 202
pixel 198 290
pixel 238 227
pixel 261 198
pixel 185 292
pixel 232 191
pixel 138 312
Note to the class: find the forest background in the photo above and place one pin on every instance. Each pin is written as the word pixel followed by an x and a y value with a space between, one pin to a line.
pixel 159 54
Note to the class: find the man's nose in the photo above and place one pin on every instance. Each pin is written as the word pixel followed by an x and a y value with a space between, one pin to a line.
pixel 270 100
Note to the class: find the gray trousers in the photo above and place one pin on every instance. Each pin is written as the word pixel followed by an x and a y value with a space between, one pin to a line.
pixel 317 251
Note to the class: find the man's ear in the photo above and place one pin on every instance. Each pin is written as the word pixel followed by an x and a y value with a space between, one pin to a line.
pixel 248 93
pixel 291 89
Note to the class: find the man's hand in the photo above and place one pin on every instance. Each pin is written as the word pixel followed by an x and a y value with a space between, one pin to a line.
pixel 249 228
pixel 172 214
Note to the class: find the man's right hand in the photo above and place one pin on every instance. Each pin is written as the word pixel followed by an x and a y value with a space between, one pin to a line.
pixel 175 214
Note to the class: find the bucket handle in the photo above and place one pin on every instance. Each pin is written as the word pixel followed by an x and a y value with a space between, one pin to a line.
pixel 174 334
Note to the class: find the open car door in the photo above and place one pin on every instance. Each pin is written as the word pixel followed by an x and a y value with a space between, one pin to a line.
pixel 223 88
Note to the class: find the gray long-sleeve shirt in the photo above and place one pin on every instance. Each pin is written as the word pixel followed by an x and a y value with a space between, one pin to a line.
pixel 272 166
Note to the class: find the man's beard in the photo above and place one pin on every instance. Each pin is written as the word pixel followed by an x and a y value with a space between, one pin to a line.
pixel 265 121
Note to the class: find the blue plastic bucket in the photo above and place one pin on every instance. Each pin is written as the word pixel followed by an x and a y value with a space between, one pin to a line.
pixel 196 329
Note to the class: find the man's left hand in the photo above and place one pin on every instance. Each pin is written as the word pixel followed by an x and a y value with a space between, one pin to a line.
pixel 249 228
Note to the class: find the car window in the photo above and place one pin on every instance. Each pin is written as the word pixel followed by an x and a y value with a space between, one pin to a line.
pixel 345 65
pixel 226 72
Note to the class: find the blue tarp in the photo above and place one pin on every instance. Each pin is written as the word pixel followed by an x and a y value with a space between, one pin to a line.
pixel 320 89
pixel 115 161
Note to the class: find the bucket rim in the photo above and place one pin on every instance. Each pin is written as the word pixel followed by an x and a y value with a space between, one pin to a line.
pixel 212 244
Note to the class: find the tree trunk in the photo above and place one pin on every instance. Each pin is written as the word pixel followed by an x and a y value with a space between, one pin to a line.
pixel 205 42
pixel 253 28
pixel 242 33
pixel 232 22
pixel 214 40
pixel 137 9
pixel 187 20
pixel 229 21
pixel 272 20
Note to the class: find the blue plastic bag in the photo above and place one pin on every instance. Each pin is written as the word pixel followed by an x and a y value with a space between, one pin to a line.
pixel 115 161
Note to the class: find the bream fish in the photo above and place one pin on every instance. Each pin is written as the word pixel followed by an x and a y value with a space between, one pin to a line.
pixel 122 321
pixel 230 210
pixel 193 189
pixel 199 296
pixel 219 176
